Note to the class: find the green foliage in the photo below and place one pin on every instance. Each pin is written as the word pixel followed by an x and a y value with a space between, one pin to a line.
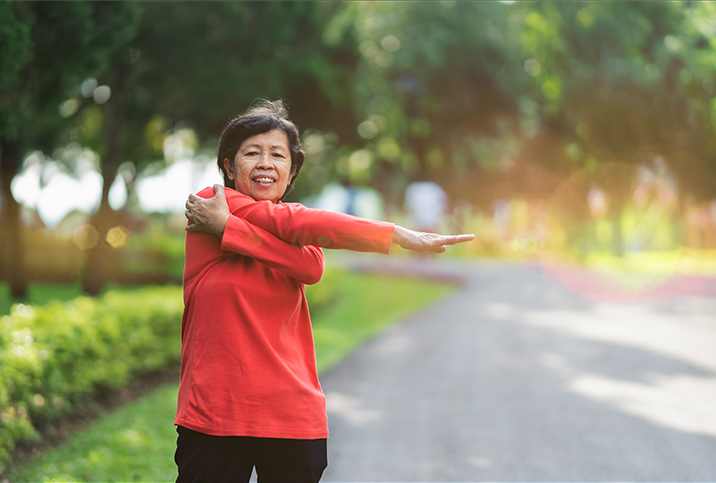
pixel 14 54
pixel 134 443
pixel 38 294
pixel 169 244
pixel 492 100
pixel 57 356
pixel 50 47
pixel 429 75
pixel 137 442
pixel 323 295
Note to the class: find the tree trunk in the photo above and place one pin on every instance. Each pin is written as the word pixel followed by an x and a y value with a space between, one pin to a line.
pixel 12 257
pixel 95 271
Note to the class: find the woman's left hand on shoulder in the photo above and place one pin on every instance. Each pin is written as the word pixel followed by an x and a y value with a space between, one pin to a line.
pixel 208 214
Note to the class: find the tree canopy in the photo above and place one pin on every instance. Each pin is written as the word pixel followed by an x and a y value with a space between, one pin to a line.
pixel 491 99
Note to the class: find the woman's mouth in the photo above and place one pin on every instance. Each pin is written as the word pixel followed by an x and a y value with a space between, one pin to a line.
pixel 263 180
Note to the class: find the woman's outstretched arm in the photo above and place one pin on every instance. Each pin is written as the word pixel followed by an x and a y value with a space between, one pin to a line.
pixel 305 226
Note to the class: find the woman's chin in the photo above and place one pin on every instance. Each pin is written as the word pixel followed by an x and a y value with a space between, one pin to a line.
pixel 265 195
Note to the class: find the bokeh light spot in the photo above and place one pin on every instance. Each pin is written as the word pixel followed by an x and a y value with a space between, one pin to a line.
pixel 101 94
pixel 652 71
pixel 85 237
pixel 368 129
pixel 597 200
pixel 117 236
pixel 88 86
pixel 69 107
pixel 391 43
pixel 585 17
pixel 672 43
pixel 532 67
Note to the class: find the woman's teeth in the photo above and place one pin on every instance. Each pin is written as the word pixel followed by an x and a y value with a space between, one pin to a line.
pixel 263 180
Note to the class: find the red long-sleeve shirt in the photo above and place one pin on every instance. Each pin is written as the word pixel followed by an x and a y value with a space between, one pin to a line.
pixel 248 360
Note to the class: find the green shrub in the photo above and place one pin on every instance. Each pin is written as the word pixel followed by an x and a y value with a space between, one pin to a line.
pixel 322 295
pixel 167 248
pixel 57 356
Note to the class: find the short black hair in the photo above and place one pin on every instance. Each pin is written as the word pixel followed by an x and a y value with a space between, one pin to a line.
pixel 262 117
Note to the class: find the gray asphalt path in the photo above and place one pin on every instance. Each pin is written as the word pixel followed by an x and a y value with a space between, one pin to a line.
pixel 518 378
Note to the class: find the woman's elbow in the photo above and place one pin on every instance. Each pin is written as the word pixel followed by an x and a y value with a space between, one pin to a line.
pixel 314 275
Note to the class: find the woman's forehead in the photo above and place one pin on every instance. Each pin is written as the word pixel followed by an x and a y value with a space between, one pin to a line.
pixel 274 139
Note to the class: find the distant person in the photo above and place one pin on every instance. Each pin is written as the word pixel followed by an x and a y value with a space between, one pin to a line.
pixel 426 204
pixel 346 198
pixel 352 194
pixel 249 394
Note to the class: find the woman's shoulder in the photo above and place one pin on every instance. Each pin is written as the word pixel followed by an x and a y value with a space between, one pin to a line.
pixel 233 197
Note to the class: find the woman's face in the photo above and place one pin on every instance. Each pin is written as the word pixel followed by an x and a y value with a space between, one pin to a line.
pixel 262 166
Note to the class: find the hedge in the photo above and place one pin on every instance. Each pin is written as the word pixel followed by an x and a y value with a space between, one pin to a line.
pixel 56 357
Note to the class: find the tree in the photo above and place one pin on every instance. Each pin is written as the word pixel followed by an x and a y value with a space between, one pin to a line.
pixel 430 82
pixel 50 47
pixel 618 85
pixel 165 77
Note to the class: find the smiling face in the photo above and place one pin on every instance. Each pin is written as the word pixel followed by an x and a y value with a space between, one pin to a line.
pixel 262 166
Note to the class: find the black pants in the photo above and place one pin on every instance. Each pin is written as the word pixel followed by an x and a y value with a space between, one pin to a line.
pixel 202 458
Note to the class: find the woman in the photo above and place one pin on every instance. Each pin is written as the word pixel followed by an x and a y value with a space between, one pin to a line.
pixel 249 394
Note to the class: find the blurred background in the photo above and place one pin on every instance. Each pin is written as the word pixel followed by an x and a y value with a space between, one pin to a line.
pixel 558 131
pixel 565 135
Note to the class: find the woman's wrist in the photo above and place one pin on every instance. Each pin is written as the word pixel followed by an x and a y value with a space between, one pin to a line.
pixel 219 225
pixel 398 234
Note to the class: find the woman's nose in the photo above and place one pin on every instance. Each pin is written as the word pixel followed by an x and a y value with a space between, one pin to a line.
pixel 264 160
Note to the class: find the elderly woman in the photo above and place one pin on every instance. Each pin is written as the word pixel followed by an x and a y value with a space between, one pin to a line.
pixel 249 394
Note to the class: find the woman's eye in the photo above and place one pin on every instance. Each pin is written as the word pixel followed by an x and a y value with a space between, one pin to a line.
pixel 251 153
pixel 279 155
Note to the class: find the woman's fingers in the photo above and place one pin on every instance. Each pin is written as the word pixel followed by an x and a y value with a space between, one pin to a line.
pixel 426 242
pixel 455 239
pixel 439 241
pixel 208 214
pixel 219 192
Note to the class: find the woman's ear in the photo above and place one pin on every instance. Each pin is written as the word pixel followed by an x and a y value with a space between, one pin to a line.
pixel 229 168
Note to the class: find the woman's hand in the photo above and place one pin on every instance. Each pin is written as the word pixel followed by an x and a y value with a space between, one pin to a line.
pixel 208 215
pixel 426 242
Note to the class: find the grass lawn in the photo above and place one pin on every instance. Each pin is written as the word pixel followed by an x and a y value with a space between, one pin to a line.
pixel 38 294
pixel 43 293
pixel 659 263
pixel 137 441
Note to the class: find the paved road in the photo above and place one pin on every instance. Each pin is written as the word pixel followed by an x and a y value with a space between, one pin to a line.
pixel 518 378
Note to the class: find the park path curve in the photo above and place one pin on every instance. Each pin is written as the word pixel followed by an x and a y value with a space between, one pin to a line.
pixel 516 377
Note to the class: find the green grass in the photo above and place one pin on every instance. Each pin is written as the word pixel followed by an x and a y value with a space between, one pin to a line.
pixel 367 304
pixel 44 293
pixel 134 443
pixel 137 441
pixel 675 262
pixel 38 294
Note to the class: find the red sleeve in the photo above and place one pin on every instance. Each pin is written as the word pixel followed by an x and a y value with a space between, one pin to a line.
pixel 303 226
pixel 305 264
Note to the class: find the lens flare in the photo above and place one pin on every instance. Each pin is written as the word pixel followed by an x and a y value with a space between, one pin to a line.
pixel 117 236
pixel 611 231
pixel 85 237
